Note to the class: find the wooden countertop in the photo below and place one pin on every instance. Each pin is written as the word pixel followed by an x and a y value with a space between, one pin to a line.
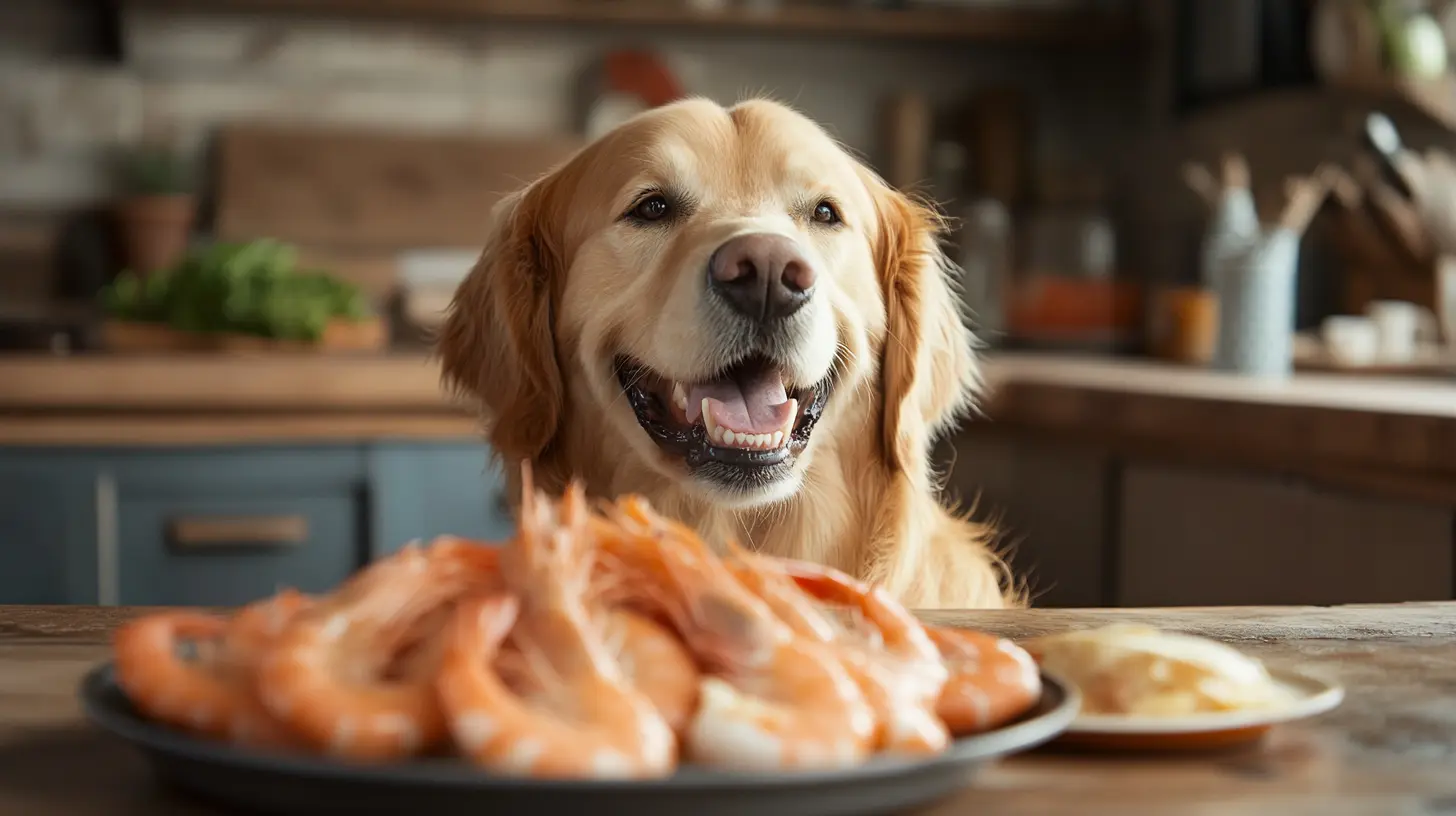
pixel 1391 396
pixel 97 399
pixel 1391 436
pixel 411 381
pixel 189 399
pixel 1390 747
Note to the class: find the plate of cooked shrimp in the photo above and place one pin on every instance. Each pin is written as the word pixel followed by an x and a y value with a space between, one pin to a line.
pixel 606 658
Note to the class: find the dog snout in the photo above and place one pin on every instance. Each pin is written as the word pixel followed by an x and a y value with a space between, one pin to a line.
pixel 762 277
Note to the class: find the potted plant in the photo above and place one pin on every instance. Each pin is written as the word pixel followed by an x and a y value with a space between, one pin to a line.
pixel 239 296
pixel 156 208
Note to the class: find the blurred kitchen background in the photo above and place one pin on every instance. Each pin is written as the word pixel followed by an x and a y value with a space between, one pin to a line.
pixel 1204 241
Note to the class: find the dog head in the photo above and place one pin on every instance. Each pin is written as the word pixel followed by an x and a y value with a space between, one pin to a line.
pixel 715 291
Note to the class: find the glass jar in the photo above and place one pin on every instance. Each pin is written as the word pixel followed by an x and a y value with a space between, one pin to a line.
pixel 986 264
pixel 1066 289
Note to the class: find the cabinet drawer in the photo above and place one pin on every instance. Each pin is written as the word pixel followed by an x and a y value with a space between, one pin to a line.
pixel 227 526
pixel 235 550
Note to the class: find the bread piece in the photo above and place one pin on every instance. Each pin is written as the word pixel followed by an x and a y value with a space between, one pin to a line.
pixel 1136 670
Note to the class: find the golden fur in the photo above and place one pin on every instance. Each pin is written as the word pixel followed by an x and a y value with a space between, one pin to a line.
pixel 561 288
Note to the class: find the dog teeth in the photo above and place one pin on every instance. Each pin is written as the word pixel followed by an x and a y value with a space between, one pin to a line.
pixel 714 432
pixel 725 437
pixel 680 397
pixel 789 423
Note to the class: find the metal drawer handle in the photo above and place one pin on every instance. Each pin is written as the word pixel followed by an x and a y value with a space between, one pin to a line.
pixel 239 531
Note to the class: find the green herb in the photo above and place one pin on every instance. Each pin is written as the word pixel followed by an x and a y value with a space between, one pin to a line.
pixel 254 288
pixel 152 170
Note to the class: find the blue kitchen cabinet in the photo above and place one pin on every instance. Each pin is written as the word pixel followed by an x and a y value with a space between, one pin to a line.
pixel 224 525
pixel 421 490
pixel 48 518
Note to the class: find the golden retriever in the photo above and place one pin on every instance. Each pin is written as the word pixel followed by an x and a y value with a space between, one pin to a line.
pixel 723 311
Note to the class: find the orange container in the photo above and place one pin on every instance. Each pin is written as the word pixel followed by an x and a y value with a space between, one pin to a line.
pixel 1059 305
pixel 1185 325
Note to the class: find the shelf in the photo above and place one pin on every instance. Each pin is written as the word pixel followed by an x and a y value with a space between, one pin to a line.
pixel 1435 98
pixel 998 25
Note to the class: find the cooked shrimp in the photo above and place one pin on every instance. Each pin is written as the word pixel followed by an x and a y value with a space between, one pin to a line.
pixel 895 662
pixel 252 630
pixel 328 675
pixel 655 662
pixel 204 695
pixel 992 680
pixel 650 656
pixel 773 700
pixel 587 720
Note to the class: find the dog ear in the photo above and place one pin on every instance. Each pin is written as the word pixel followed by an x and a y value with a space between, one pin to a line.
pixel 497 343
pixel 928 366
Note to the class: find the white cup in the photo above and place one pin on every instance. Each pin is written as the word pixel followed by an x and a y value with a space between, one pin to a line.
pixel 1446 298
pixel 1399 327
pixel 1350 340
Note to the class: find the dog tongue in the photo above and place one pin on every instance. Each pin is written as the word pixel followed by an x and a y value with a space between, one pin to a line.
pixel 751 400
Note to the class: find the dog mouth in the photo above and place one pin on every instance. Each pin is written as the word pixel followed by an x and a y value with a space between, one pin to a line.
pixel 747 420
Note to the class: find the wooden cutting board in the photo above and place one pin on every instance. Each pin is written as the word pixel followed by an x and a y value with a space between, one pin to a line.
pixel 351 190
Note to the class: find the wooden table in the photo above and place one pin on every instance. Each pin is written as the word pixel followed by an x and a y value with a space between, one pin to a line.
pixel 1389 749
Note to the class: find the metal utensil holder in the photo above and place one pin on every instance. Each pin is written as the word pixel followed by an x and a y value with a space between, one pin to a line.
pixel 1256 291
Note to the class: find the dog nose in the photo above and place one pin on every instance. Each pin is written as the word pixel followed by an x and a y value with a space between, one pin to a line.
pixel 763 277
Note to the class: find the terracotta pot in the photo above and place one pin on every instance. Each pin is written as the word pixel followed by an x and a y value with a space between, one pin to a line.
pixel 155 230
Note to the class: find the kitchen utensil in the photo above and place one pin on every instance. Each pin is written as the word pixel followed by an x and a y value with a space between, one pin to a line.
pixel 1201 182
pixel 1234 224
pixel 1437 199
pixel 1395 215
pixel 1305 197
pixel 284 784
pixel 1256 286
pixel 1399 167
pixel 1374 266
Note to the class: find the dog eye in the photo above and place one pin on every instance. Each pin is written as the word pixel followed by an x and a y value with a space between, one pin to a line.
pixel 826 214
pixel 651 208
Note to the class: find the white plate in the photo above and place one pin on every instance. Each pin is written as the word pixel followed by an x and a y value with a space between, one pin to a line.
pixel 1312 697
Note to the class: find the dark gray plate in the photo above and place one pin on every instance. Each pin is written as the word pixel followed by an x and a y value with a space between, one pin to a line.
pixel 264 783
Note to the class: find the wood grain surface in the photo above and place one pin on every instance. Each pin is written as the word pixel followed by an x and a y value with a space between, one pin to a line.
pixel 991 24
pixel 352 188
pixel 1390 436
pixel 1389 749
